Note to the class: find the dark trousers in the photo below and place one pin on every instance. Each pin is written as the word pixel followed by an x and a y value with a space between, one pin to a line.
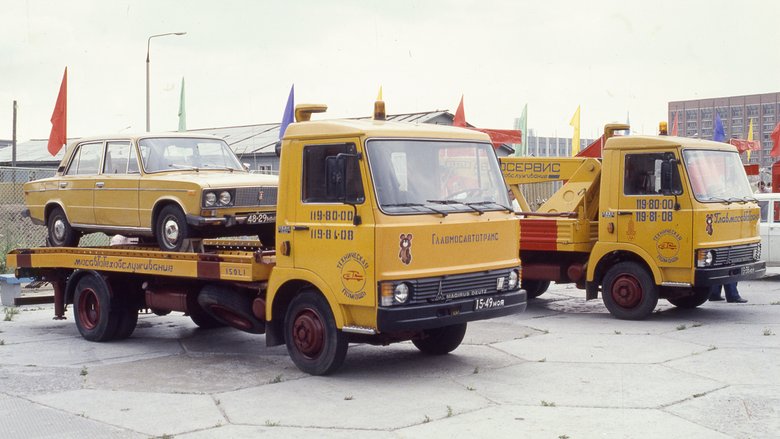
pixel 731 291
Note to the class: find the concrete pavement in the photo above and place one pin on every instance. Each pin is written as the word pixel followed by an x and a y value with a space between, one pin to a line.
pixel 563 369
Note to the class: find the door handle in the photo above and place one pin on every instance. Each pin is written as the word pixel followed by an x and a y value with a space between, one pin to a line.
pixel 99 184
pixel 63 184
pixel 300 228
pixel 624 212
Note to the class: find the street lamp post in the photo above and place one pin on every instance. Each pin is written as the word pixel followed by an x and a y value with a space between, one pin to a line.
pixel 148 43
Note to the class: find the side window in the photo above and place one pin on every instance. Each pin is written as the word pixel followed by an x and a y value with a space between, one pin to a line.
pixel 86 159
pixel 117 157
pixel 644 174
pixel 317 186
pixel 132 165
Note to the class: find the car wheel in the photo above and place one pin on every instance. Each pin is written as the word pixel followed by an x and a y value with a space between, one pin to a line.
pixel 313 341
pixel 171 229
pixel 440 341
pixel 61 234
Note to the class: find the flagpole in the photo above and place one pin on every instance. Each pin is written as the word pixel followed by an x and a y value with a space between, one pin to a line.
pixel 13 141
pixel 148 45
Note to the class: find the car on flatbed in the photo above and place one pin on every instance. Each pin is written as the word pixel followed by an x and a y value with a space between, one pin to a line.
pixel 169 187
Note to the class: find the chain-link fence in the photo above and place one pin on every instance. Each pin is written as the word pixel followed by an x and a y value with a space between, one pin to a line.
pixel 19 232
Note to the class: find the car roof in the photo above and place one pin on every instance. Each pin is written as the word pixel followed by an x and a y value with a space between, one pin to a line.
pixel 136 137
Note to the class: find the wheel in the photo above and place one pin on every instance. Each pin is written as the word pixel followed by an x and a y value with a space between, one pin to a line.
pixel 94 317
pixel 534 287
pixel 314 343
pixel 127 321
pixel 699 296
pixel 440 341
pixel 629 292
pixel 127 301
pixel 61 234
pixel 171 229
pixel 199 316
pixel 229 307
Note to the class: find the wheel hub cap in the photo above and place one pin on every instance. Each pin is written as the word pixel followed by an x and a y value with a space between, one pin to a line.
pixel 89 309
pixel 308 334
pixel 59 229
pixel 171 231
pixel 627 292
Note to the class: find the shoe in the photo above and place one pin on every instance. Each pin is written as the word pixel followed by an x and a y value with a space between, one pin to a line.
pixel 736 300
pixel 715 298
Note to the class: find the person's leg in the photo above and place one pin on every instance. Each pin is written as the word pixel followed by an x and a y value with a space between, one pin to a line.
pixel 732 295
pixel 715 293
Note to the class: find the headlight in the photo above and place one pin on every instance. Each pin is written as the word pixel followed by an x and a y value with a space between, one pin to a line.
pixel 224 198
pixel 709 258
pixel 401 293
pixel 705 258
pixel 210 199
pixel 757 252
pixel 513 277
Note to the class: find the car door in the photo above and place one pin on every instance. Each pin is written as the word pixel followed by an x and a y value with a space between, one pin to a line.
pixel 116 188
pixel 76 186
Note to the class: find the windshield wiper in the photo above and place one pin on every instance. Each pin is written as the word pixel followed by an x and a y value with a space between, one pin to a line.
pixel 416 205
pixel 722 200
pixel 484 203
pixel 227 168
pixel 480 211
pixel 191 168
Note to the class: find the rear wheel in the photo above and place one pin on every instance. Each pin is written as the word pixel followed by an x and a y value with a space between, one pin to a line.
pixel 440 341
pixel 94 317
pixel 314 343
pixel 228 307
pixel 629 292
pixel 534 287
pixel 171 229
pixel 61 234
pixel 199 315
pixel 699 296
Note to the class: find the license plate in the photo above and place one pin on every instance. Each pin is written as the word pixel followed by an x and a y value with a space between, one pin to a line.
pixel 260 218
pixel 487 303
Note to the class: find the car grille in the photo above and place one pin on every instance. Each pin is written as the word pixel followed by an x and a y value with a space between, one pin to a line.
pixel 250 196
pixel 442 288
pixel 739 254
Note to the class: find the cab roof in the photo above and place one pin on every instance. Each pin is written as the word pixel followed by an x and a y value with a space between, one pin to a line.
pixel 646 142
pixel 378 128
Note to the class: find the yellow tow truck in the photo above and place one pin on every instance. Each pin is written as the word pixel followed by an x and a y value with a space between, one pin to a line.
pixel 385 232
pixel 655 217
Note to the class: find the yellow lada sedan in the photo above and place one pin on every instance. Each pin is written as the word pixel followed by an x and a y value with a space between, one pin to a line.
pixel 170 187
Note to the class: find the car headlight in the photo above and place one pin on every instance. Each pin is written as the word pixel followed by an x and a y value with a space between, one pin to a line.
pixel 705 258
pixel 210 199
pixel 513 278
pixel 401 293
pixel 224 198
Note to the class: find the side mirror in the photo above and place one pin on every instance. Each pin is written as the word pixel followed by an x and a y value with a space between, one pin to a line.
pixel 278 148
pixel 670 177
pixel 337 182
pixel 246 166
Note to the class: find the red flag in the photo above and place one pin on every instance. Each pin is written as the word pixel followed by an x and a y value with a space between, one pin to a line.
pixel 775 141
pixel 59 118
pixel 460 115
pixel 674 126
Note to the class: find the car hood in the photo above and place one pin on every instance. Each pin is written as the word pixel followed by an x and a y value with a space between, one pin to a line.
pixel 214 179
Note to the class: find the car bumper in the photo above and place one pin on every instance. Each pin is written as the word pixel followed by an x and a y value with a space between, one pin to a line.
pixel 232 220
pixel 26 214
pixel 705 277
pixel 434 315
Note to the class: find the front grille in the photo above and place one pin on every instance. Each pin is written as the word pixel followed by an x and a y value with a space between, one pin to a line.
pixel 739 254
pixel 437 289
pixel 250 196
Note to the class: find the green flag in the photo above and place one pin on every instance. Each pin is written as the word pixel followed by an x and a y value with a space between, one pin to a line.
pixel 182 112
pixel 522 125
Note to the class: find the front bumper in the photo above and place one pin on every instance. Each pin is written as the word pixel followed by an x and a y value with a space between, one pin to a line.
pixel 704 277
pixel 435 315
pixel 232 220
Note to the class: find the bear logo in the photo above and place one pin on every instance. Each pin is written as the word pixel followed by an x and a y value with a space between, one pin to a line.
pixel 405 255
pixel 708 229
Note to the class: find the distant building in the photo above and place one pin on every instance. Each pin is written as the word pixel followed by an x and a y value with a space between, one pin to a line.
pixel 696 118
pixel 551 146
pixel 5 143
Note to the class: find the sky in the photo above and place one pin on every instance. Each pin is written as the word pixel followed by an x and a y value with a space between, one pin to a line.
pixel 617 59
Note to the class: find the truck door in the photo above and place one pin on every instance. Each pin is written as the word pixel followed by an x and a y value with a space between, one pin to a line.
pixel 327 238
pixel 654 214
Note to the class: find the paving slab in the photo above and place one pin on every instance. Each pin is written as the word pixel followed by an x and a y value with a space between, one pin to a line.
pixel 734 366
pixel 279 432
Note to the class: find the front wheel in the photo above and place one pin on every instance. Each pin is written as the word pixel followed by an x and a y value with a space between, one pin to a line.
pixel 440 341
pixel 699 296
pixel 313 341
pixel 629 292
pixel 171 229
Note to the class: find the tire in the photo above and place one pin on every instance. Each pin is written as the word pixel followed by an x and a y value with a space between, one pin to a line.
pixel 629 292
pixel 199 316
pixel 127 301
pixel 60 232
pixel 700 296
pixel 229 307
pixel 440 341
pixel 314 343
pixel 171 229
pixel 128 320
pixel 92 307
pixel 534 287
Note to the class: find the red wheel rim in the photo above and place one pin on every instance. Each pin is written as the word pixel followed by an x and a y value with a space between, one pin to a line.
pixel 627 291
pixel 89 308
pixel 308 333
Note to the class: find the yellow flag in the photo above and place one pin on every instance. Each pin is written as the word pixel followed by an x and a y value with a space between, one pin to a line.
pixel 750 138
pixel 379 96
pixel 575 138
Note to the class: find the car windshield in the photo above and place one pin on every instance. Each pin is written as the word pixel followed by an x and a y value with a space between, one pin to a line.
pixel 177 153
pixel 717 176
pixel 429 176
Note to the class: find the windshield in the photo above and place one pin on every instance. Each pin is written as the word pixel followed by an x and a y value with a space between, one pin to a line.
pixel 436 177
pixel 176 153
pixel 717 176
